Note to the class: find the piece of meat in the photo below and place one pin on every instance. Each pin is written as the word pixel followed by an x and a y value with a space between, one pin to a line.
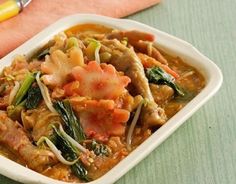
pixel 125 59
pixel 132 36
pixel 149 62
pixel 39 125
pixel 161 93
pixel 13 136
pixel 143 47
pixel 141 41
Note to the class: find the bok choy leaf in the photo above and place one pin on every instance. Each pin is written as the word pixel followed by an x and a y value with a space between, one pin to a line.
pixel 72 123
pixel 158 76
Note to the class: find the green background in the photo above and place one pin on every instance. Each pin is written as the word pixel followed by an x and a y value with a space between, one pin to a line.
pixel 203 150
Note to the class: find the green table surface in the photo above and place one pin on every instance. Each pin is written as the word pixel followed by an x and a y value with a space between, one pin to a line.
pixel 203 149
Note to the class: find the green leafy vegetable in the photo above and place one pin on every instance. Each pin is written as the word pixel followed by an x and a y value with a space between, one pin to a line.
pixel 98 148
pixel 72 123
pixel 69 153
pixel 158 76
pixel 28 96
pixel 21 93
pixel 33 98
pixel 79 170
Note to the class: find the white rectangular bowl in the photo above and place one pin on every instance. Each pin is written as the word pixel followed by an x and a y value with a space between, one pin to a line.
pixel 170 43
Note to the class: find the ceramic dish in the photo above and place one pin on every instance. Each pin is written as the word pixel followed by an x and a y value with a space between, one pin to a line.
pixel 169 43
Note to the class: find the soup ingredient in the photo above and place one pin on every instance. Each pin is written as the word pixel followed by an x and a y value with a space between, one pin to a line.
pixel 105 57
pixel 100 119
pixel 92 50
pixel 45 93
pixel 150 50
pixel 14 137
pixel 14 112
pixel 99 149
pixel 71 42
pixel 80 171
pixel 149 62
pixel 132 36
pixel 33 98
pixel 132 126
pixel 73 142
pixel 18 102
pixel 97 81
pixel 58 65
pixel 158 76
pixel 56 151
pixel 71 122
pixel 25 86
pixel 64 145
pixel 69 153
pixel 14 91
pixel 37 121
pixel 125 59
pixel 27 96
pixel 141 41
pixel 162 93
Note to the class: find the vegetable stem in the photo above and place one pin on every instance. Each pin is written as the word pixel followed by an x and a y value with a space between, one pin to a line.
pixel 29 79
pixel 133 124
pixel 45 93
pixel 57 152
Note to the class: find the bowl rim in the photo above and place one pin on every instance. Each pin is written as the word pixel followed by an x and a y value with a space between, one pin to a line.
pixel 208 68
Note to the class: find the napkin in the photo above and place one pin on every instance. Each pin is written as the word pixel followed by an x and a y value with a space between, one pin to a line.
pixel 40 13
